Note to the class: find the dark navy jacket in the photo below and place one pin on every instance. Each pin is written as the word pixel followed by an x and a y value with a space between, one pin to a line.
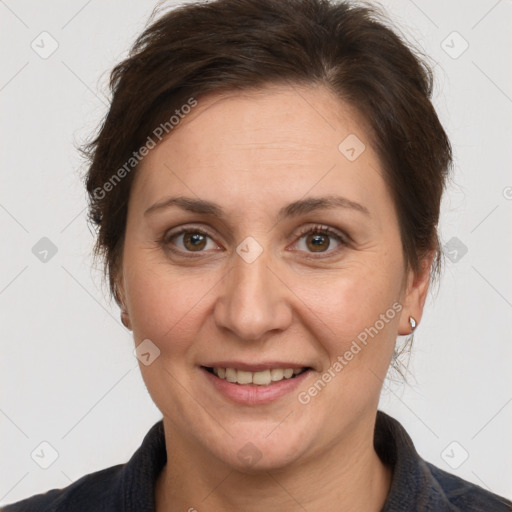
pixel 416 485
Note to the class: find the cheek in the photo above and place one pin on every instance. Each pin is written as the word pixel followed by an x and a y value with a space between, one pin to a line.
pixel 165 306
pixel 356 323
pixel 357 305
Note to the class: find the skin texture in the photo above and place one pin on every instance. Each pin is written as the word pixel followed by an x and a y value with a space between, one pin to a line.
pixel 253 153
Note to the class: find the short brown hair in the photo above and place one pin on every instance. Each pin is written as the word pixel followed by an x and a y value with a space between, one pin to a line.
pixel 229 45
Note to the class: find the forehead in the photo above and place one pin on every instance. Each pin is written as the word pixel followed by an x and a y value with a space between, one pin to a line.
pixel 258 145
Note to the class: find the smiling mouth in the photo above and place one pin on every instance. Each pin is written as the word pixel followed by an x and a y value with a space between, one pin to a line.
pixel 261 378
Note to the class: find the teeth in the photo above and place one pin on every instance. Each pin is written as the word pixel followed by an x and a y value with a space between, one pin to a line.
pixel 230 375
pixel 263 378
pixel 243 377
pixel 276 374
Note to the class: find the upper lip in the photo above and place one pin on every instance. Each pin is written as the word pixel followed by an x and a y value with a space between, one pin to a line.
pixel 255 367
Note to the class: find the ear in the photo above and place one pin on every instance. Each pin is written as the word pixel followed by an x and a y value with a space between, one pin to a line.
pixel 120 296
pixel 415 294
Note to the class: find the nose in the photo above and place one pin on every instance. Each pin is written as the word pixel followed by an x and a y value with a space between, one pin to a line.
pixel 252 301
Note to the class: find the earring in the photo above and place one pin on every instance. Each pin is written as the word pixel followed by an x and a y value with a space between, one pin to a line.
pixel 412 322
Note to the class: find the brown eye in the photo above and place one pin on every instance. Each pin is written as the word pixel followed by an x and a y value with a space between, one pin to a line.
pixel 317 242
pixel 189 240
pixel 194 241
pixel 319 239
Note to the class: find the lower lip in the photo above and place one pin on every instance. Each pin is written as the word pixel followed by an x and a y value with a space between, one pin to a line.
pixel 251 394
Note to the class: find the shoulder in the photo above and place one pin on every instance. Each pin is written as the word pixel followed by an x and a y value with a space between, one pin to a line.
pixel 90 492
pixel 466 496
pixel 127 486
pixel 419 485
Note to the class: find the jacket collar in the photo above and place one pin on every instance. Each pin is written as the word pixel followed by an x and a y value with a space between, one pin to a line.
pixel 412 486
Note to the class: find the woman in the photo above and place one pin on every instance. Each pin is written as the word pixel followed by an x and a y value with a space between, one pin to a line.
pixel 266 187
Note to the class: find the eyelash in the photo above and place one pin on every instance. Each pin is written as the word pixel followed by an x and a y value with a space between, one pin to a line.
pixel 316 229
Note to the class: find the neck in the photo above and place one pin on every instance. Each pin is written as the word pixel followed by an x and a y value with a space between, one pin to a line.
pixel 348 476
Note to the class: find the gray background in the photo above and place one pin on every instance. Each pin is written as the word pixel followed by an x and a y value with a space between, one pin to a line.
pixel 68 375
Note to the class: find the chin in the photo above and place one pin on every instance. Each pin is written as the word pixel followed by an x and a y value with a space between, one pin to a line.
pixel 266 450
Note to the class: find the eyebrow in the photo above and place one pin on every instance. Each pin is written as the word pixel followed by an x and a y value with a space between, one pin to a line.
pixel 294 209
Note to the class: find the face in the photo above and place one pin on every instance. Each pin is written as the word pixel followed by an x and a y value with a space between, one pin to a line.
pixel 254 241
